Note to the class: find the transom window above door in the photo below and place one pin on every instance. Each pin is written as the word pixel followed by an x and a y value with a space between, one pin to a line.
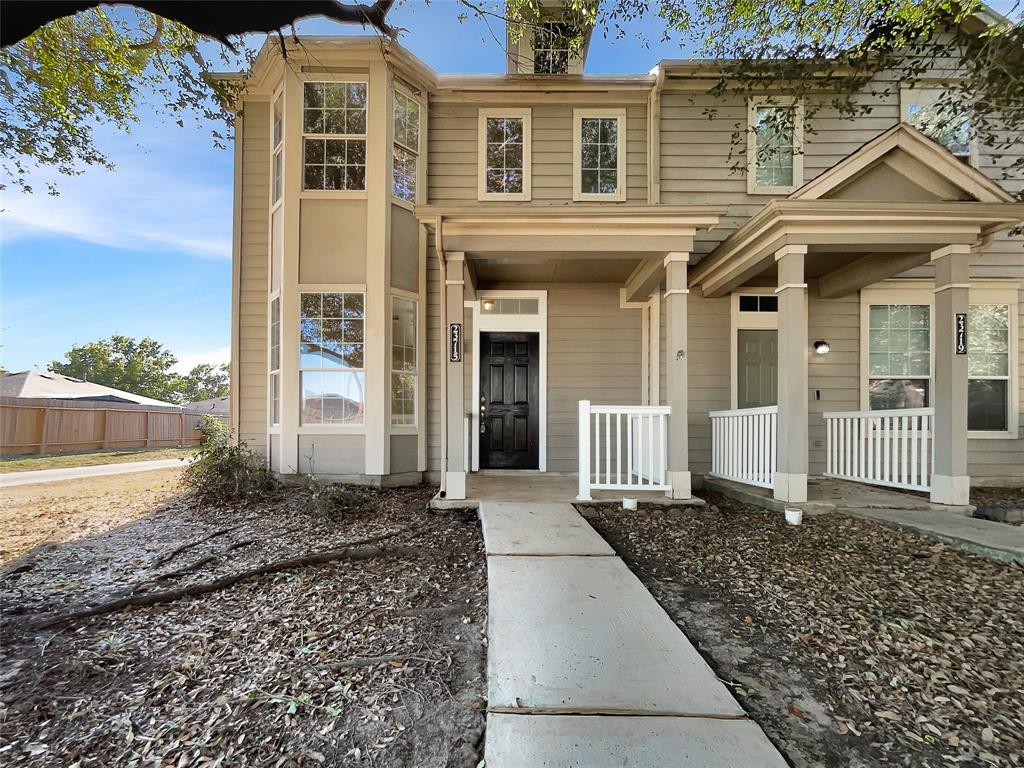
pixel 599 154
pixel 504 154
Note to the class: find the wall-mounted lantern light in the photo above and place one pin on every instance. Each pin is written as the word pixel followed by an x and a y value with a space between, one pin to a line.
pixel 821 347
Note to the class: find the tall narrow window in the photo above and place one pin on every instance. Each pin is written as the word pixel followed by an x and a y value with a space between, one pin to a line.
pixel 275 361
pixel 599 154
pixel 504 154
pixel 278 150
pixel 899 356
pixel 552 47
pixel 988 367
pixel 407 147
pixel 404 362
pixel 939 116
pixel 334 135
pixel 331 358
pixel 774 146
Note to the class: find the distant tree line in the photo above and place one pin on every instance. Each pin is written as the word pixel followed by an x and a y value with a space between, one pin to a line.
pixel 142 367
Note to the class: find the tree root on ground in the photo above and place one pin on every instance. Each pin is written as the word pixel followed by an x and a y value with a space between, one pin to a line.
pixel 364 549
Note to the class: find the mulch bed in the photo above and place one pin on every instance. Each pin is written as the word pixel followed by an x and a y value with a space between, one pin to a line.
pixel 376 661
pixel 1004 505
pixel 850 642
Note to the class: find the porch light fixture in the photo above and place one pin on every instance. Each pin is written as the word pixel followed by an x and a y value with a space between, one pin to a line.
pixel 488 305
pixel 821 347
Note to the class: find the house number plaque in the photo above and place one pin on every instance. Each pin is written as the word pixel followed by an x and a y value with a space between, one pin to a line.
pixel 960 327
pixel 455 343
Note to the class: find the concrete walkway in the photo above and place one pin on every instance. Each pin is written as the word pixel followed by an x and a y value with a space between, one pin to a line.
pixel 584 668
pixel 9 479
pixel 998 541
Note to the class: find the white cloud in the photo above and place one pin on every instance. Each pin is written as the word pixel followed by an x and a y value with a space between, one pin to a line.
pixel 189 360
pixel 175 196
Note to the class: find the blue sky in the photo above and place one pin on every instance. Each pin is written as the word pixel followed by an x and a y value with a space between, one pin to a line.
pixel 144 250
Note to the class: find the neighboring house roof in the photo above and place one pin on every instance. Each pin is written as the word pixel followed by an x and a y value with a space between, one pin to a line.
pixel 218 406
pixel 45 385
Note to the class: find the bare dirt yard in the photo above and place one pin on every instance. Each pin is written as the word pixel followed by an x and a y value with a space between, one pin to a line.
pixel 372 655
pixel 853 644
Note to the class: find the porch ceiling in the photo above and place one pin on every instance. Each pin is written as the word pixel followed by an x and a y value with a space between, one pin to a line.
pixel 524 231
pixel 851 244
pixel 491 271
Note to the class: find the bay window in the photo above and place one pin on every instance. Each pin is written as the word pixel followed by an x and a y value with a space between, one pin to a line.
pixel 774 145
pixel 275 361
pixel 404 362
pixel 334 135
pixel 331 358
pixel 406 149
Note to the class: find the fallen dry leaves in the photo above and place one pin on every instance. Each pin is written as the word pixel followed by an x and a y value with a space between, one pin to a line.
pixel 377 662
pixel 852 643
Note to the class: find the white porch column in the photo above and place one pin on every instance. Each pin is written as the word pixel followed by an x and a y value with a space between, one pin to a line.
pixel 790 482
pixel 455 467
pixel 676 389
pixel 950 482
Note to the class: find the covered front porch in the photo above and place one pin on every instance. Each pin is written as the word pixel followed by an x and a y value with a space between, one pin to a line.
pixel 900 203
pixel 547 310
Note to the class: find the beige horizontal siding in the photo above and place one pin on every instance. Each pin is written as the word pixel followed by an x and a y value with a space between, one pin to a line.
pixel 452 154
pixel 252 298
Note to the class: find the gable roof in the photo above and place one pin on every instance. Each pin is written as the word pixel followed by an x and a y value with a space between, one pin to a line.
pixel 913 155
pixel 47 385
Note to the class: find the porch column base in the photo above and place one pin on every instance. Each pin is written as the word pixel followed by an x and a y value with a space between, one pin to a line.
pixel 455 485
pixel 680 482
pixel 791 488
pixel 951 490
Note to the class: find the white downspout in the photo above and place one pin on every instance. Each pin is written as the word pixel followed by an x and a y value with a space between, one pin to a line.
pixel 442 266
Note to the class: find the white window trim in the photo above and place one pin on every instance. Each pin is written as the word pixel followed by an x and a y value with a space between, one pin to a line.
pixel 419 196
pixel 359 194
pixel 578 115
pixel 406 429
pixel 334 428
pixel 745 321
pixel 529 323
pixel 753 103
pixel 526 114
pixel 921 292
pixel 923 92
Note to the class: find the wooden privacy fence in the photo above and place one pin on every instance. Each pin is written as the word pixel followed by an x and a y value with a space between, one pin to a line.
pixel 57 426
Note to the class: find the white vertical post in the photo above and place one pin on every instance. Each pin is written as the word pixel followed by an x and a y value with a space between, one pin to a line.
pixel 583 490
pixel 677 388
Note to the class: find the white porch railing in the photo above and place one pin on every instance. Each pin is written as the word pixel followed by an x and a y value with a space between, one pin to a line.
pixel 622 447
pixel 743 445
pixel 881 447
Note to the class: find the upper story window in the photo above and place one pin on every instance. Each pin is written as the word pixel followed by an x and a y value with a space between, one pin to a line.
pixel 599 154
pixel 774 146
pixel 552 48
pixel 334 135
pixel 278 148
pixel 407 147
pixel 504 154
pixel 942 119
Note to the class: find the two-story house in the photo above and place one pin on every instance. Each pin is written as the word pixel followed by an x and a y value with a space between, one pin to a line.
pixel 546 271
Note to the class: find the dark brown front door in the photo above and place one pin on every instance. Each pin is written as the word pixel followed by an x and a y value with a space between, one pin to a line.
pixel 509 400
